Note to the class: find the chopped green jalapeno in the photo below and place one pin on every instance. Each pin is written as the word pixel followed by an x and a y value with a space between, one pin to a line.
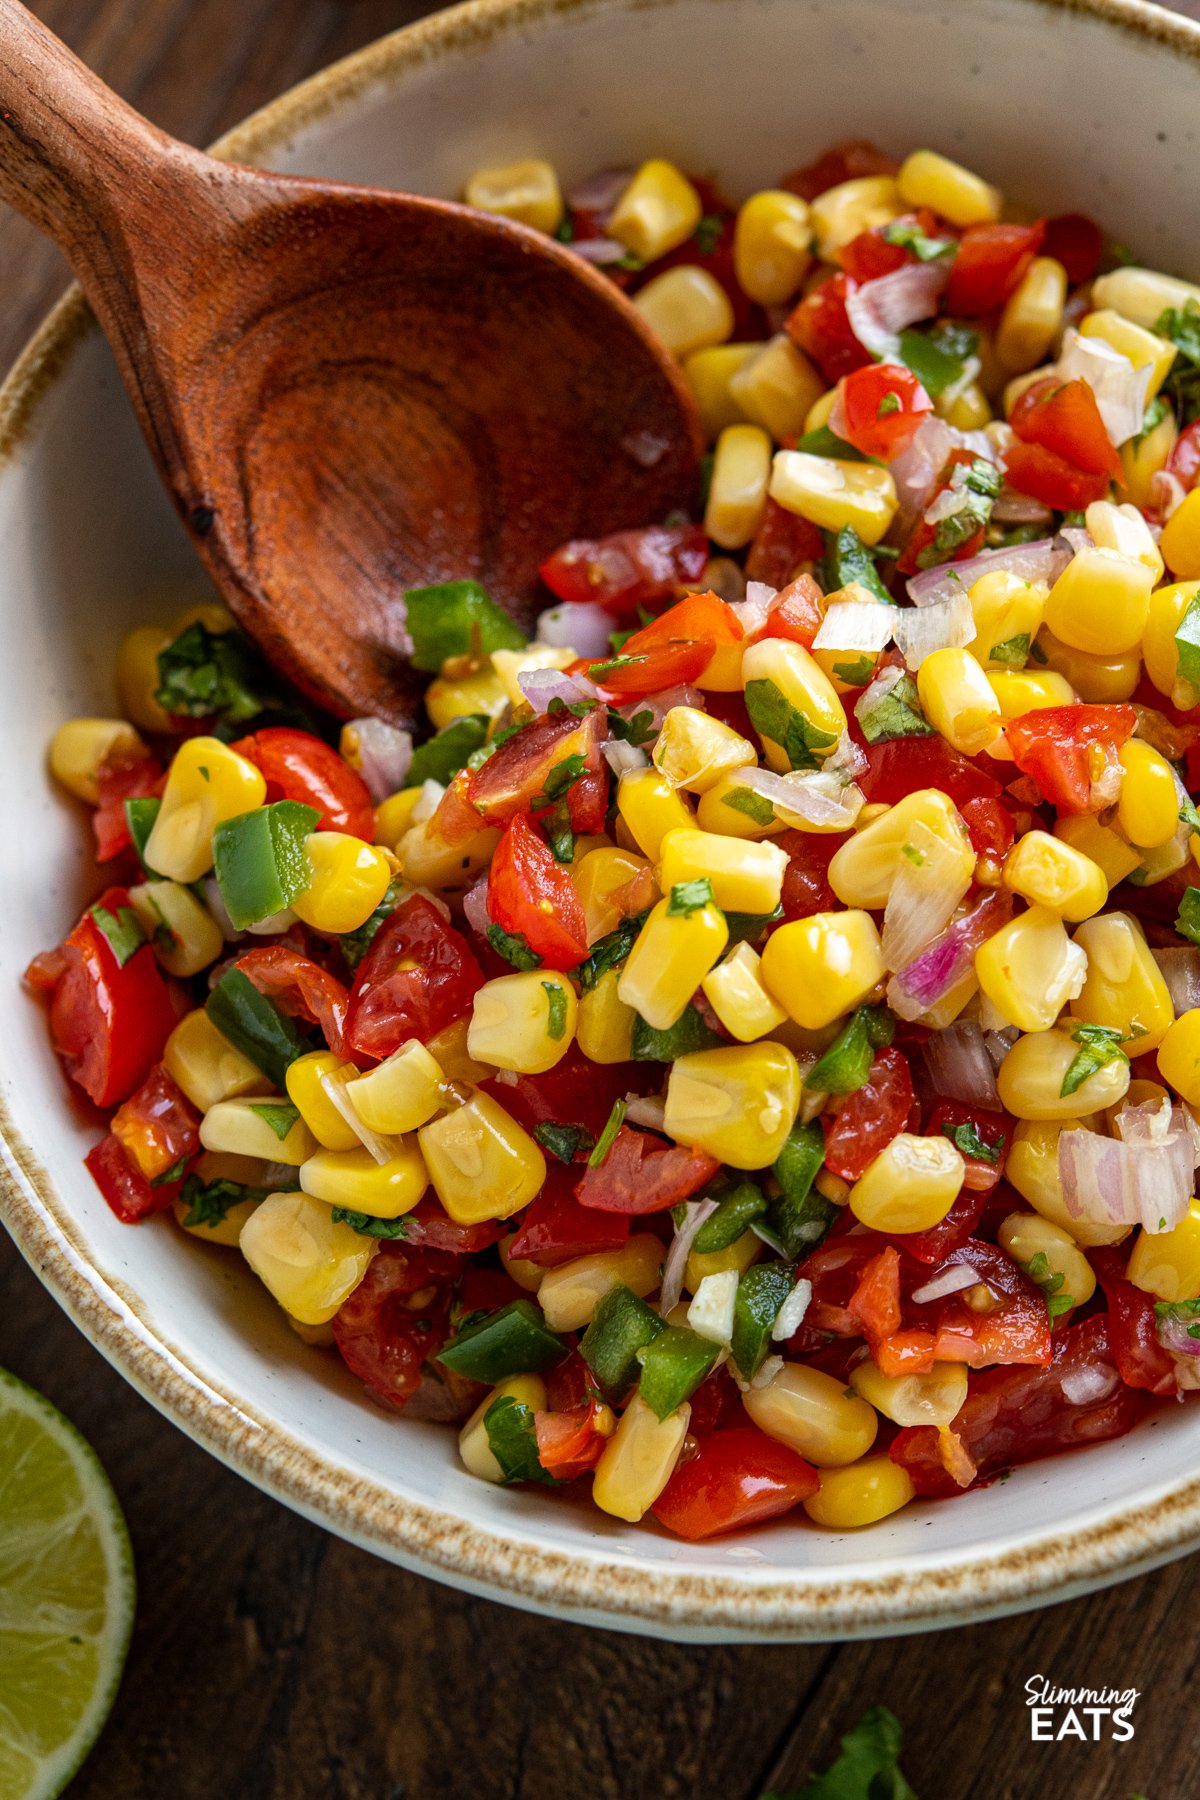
pixel 514 1341
pixel 621 1326
pixel 674 1363
pixel 260 860
pixel 254 1025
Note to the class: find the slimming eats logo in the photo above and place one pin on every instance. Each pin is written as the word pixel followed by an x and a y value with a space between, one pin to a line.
pixel 1090 1714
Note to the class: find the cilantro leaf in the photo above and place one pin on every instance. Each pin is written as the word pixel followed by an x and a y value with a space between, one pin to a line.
pixel 820 441
pixel 887 406
pixel 773 716
pixel 120 930
pixel 513 946
pixel 907 234
pixel 1181 324
pixel 848 559
pixel 614 664
pixel 895 714
pixel 1189 816
pixel 855 674
pixel 935 368
pixel 368 1226
pixel 1012 652
pixel 1177 1312
pixel 690 1032
pixel 610 952
pixel 442 756
pixel 456 618
pixel 967 1138
pixel 1099 1045
pixel 565 1142
pixel 560 780
pixel 1188 922
pixel 512 1440
pixel 636 731
pixel 1187 644
pixel 755 806
pixel 213 674
pixel 208 1202
pixel 604 1142
pixel 976 485
pixel 355 944
pixel 280 1115
pixel 688 897
pixel 1038 1269
pixel 707 234
pixel 556 1001
pixel 1153 416
pixel 867 1769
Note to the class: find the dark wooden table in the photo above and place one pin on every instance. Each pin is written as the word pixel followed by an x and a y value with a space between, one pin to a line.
pixel 272 1662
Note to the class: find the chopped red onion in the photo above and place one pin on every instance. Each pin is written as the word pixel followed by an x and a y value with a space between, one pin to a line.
pixel 1089 1385
pixel 1119 387
pixel 915 471
pixel 959 1065
pixel 1042 560
pixel 1011 508
pixel 1142 1177
pixel 880 310
pixel 948 960
pixel 1167 493
pixel 1076 538
pixel 1180 969
pixel 383 754
pixel 998 1043
pixel 649 1110
pixel 621 756
pixel 790 1316
pixel 475 907
pixel 599 193
pixel 694 1214
pixel 925 892
pixel 274 925
pixel 950 1280
pixel 579 625
pixel 602 251
pixel 855 625
pixel 427 805
pixel 753 611
pixel 541 686
pixel 946 624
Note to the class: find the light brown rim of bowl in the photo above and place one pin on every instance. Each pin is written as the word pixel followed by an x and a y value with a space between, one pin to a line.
pixel 595 1584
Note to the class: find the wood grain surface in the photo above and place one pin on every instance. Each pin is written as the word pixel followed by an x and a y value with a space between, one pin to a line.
pixel 272 1662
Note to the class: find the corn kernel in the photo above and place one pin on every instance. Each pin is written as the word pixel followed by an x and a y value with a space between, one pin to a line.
pixel 80 748
pixel 1032 320
pixel 1148 807
pixel 709 373
pixel 842 212
pixel 1032 1076
pixel 694 751
pixel 482 1165
pixel 1102 680
pixel 910 1186
pixel 777 388
pixel 1179 1056
pixel 524 1022
pixel 786 688
pixel 604 1026
pixel 820 967
pixel 1026 1235
pixel 207 784
pixel 1168 608
pixel 394 816
pixel 650 806
pixel 304 1089
pixel 819 412
pixel 687 308
pixel 1100 602
pixel 862 1494
pixel 206 1066
pixel 735 1259
pixel 449 1050
pixel 1112 855
pixel 1180 541
pixel 737 493
pixel 813 1414
pixel 735 991
pixel 1048 872
pixel 1124 988
pixel 525 191
pixel 722 809
pixel 738 1102
pixel 246 1127
pixel 309 1263
pixel 1144 349
pixel 745 877
pixel 475 1453
pixel 958 701
pixel 429 860
pixel 571 1292
pixel 1032 1168
pixel 1030 968
pixel 211 1166
pixel 1155 865
pixel 1142 457
pixel 1123 529
pixel 929 179
pixel 1007 613
pixel 349 879
pixel 1020 691
pixel 401 1094
pixel 138 679
pixel 184 934
pixel 930 1399
pixel 862 870
pixel 1142 295
pixel 526 1274
pixel 835 494
pixel 510 665
pixel 1167 1263
pixel 659 210
pixel 772 241
pixel 611 884
pixel 448 698
pixel 353 1179
pixel 965 408
pixel 638 1460
pixel 671 956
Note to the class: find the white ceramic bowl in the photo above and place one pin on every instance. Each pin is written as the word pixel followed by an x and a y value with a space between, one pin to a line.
pixel 1094 105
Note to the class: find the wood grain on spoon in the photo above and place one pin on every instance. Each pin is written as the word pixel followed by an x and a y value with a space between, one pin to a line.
pixel 348 392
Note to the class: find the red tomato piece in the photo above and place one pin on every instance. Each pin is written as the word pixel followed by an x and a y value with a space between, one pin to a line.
pixel 883 405
pixel 300 988
pixel 935 1245
pixel 1016 1330
pixel 555 1228
pixel 1065 750
pixel 432 1227
pixel 820 326
pixel 716 1403
pixel 806 888
pixel 141 779
pixel 995 1129
pixel 870 1118
pixel 641 1174
pixel 1132 1329
pixel 578 1092
pixel 630 568
pixel 587 801
pixel 700 618
pixel 456 818
pixel 870 256
pixel 922 535
pixel 1184 460
pixel 902 765
pixel 417 977
pixel 652 670
pixel 730 709
pixel 875 1302
pixel 844 161
pixel 1074 240
pixel 570 1443
pixel 380 1336
pixel 157 1126
pixel 735 1478
pixel 299 766
pixel 990 827
pixel 835 1268
pixel 511 778
pixel 989 264
pixel 782 544
pixel 796 614
pixel 125 1189
pixel 1063 416
pixel 1043 475
pixel 530 893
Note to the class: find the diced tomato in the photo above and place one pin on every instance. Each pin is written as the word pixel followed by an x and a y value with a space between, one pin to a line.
pixel 835 1269
pixel 735 1478
pixel 820 326
pixel 381 1337
pixel 806 888
pixel 699 618
pixel 1074 240
pixel 1184 460
pixel 875 1302
pixel 108 1020
pixel 990 826
pixel 989 264
pixel 158 1127
pixel 1015 1330
pixel 302 989
pixel 629 569
pixel 796 614
pixel 126 1190
pixel 555 1228
pixel 869 256
pixel 530 893
pixel 299 766
pixel 843 162
pixel 870 1118
pixel 882 405
pixel 960 1223
pixel 1043 475
pixel 569 1383
pixel 139 779
pixel 571 1443
pixel 659 666
pixel 641 1174
pixel 922 535
pixel 516 773
pixel 455 819
pixel 730 709
pixel 432 1227
pixel 1066 749
pixel 781 544
pixel 1063 416
pixel 417 977
pixel 1132 1329
pixel 578 1092
pixel 902 765
pixel 995 1129
pixel 716 1403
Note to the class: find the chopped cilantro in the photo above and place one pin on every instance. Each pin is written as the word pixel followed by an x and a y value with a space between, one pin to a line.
pixel 907 234
pixel 690 1032
pixel 565 1142
pixel 773 716
pixel 745 928
pixel 174 1173
pixel 120 930
pixel 140 816
pixel 280 1115
pixel 512 1440
pixel 213 674
pixel 559 781
pixel 976 484
pixel 707 234
pixel 1153 416
pixel 355 944
pixel 690 896
pixel 1099 1046
pixel 1012 652
pixel 441 758
pixel 605 1141
pixel 1187 644
pixel 636 731
pixel 1188 922
pixel 1182 326
pixel 208 1202
pixel 755 806
pixel 1175 1312
pixel 1057 1303
pixel 967 1138
pixel 368 1226
pixel 610 952
pixel 848 559
pixel 614 664
pixel 513 946
pixel 820 441
pixel 935 366
pixel 1189 816
pixel 867 1769
pixel 855 674
pixel 887 406
pixel 895 714
pixel 556 1001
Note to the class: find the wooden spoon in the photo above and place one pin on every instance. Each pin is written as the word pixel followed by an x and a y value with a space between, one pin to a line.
pixel 348 392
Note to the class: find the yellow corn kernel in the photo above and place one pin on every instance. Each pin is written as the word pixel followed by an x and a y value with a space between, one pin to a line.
pixel 638 1460
pixel 861 1494
pixel 1155 865
pixel 184 934
pixel 1032 1168
pixel 207 783
pixel 1006 611
pixel 482 1165
pixel 659 210
pixel 910 1186
pixel 835 494
pixel 1016 387
pixel 1160 648
pixel 206 1066
pixel 1030 968
pixel 1112 855
pixel 1142 295
pixel 777 388
pixel 304 1089
pixel 509 665
pixel 745 877
pixel 475 1453
pixel 709 373
pixel 393 816
pixel 1026 1235
pixel 1100 602
pixel 693 750
pixel 671 955
pixel 527 1275
pixel 862 871
pixel 1031 1078
pixel 861 204
pixel 1142 458
pixel 813 1414
pixel 1124 988
pixel 1032 319
pixel 820 967
pixel 246 1127
pixel 1123 529
pixel 1179 1056
pixel 929 179
pixel 400 1095
pixel 525 191
pixel 687 308
pixel 306 1261
pixel 721 809
pixel 1180 542
pixel 772 241
pixel 1144 349
pixel 735 991
pixel 1148 807
pixel 737 493
pixel 803 687
pixel 604 1024
pixel 738 1102
pixel 524 1022
pixel 449 1050
pixel 1048 872
pixel 1102 680
pixel 965 408
pixel 931 1399
pixel 571 1292
pixel 858 665
pixel 138 679
pixel 650 807
pixel 80 748
pixel 736 1257
pixel 611 884
pixel 958 701
pixel 1167 1263
pixel 353 1179
pixel 820 410
pixel 429 860
pixel 349 879
pixel 212 1166
pixel 452 697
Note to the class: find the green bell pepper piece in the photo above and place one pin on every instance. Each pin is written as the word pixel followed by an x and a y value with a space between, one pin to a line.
pixel 800 1217
pixel 140 815
pixel 761 1292
pixel 254 1025
pixel 621 1326
pixel 456 618
pixel 260 860
pixel 516 1340
pixel 747 928
pixel 736 1212
pixel 673 1365
pixel 846 1064
pixel 441 758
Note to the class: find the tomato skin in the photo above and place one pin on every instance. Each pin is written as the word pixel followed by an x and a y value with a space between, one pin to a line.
pixel 806 888
pixel 507 782
pixel 820 326
pixel 1056 748
pixel 990 263
pixel 303 767
pixel 876 432
pixel 697 618
pixel 781 544
pixel 379 1336
pixel 875 1301
pixel 1043 475
pixel 1074 240
pixel 796 614
pixel 990 826
pixel 870 256
pixel 641 1174
pixel 1062 416
pixel 432 1228
pixel 300 988
pixel 844 161
pixel 530 893
pixel 555 1228
pixel 570 1443
pixel 902 765
pixel 995 1128
pixel 1184 460
pixel 922 535
pixel 736 1478
pixel 659 667
pixel 1017 1330
pixel 126 1190
pixel 629 568
pixel 142 779
pixel 716 1403
pixel 576 1091
pixel 157 1126
pixel 960 1223
pixel 1132 1329
pixel 870 1118
pixel 389 1003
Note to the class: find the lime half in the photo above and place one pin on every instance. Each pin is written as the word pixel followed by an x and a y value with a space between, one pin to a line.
pixel 66 1595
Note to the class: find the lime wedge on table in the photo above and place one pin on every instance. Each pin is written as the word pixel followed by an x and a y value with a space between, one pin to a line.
pixel 66 1595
